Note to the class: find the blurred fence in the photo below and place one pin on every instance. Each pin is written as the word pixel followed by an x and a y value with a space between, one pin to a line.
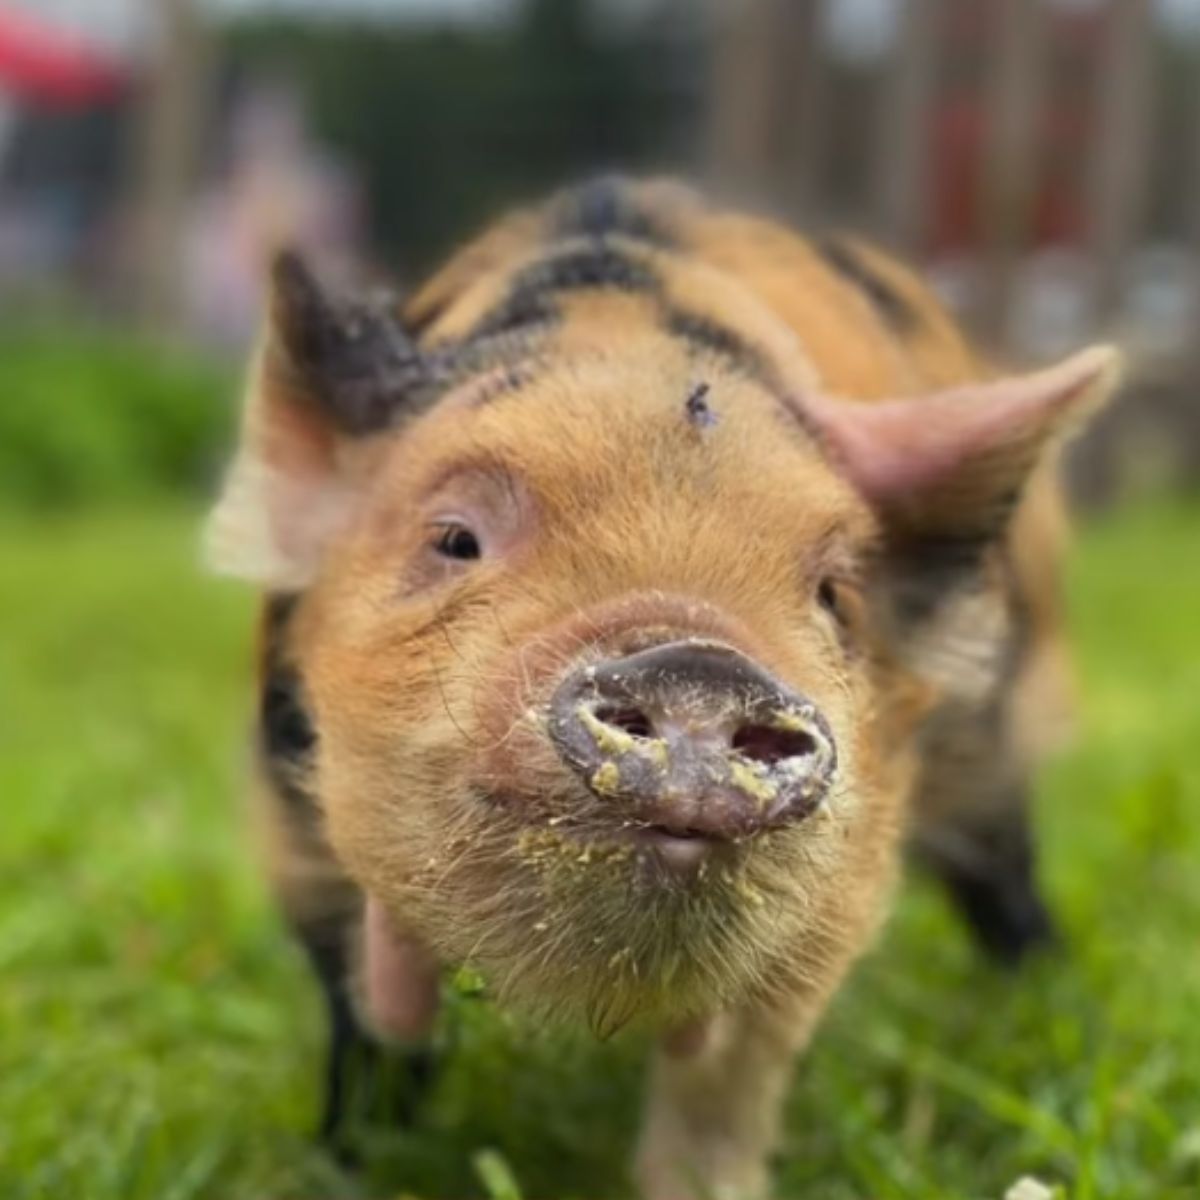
pixel 1039 158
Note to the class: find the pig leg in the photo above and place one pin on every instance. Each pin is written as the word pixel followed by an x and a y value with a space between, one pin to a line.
pixel 713 1111
pixel 365 1081
pixel 989 869
pixel 972 824
pixel 350 1053
pixel 976 830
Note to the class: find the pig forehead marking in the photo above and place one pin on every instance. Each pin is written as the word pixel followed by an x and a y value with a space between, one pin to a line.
pixel 643 240
pixel 529 301
pixel 597 239
pixel 703 335
pixel 525 317
pixel 844 258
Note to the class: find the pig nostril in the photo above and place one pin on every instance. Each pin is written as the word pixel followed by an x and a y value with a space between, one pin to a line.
pixel 767 745
pixel 629 720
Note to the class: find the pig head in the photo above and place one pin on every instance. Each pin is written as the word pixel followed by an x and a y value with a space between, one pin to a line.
pixel 612 630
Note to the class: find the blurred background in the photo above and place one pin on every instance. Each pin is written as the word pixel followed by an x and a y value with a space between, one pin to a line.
pixel 1040 159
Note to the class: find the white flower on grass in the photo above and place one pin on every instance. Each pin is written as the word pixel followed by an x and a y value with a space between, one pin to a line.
pixel 1028 1188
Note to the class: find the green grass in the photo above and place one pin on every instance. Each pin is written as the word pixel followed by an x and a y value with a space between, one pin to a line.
pixel 92 413
pixel 159 1036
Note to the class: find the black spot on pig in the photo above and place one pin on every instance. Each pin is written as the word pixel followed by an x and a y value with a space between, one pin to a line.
pixel 706 336
pixel 529 302
pixel 603 206
pixel 287 736
pixel 850 264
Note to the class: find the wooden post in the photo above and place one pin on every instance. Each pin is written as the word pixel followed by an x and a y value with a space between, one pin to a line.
pixel 799 69
pixel 1013 107
pixel 765 133
pixel 903 129
pixel 1120 146
pixel 171 129
pixel 742 95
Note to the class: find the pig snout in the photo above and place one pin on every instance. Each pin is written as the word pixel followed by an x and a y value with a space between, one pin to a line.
pixel 691 741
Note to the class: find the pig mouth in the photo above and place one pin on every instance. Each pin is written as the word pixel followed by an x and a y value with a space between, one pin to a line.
pixel 657 853
pixel 647 849
pixel 681 852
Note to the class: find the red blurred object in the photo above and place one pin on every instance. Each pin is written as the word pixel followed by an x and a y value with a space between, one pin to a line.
pixel 1064 123
pixel 47 64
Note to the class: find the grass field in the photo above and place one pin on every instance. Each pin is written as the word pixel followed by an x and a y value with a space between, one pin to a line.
pixel 159 1036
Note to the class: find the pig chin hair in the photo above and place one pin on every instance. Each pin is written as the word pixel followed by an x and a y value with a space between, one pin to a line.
pixel 565 930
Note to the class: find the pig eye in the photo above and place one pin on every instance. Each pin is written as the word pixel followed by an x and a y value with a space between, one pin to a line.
pixel 457 542
pixel 830 599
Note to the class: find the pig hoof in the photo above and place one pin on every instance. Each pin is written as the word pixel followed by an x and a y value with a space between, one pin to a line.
pixel 372 1088
pixel 1007 917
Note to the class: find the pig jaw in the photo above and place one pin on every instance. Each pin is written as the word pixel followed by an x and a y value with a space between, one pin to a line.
pixel 568 927
pixel 595 929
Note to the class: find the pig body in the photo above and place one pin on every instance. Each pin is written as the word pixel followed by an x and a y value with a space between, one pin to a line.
pixel 634 592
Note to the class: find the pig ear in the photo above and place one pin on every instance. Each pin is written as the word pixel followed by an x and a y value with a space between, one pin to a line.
pixel 351 357
pixel 949 467
pixel 331 371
